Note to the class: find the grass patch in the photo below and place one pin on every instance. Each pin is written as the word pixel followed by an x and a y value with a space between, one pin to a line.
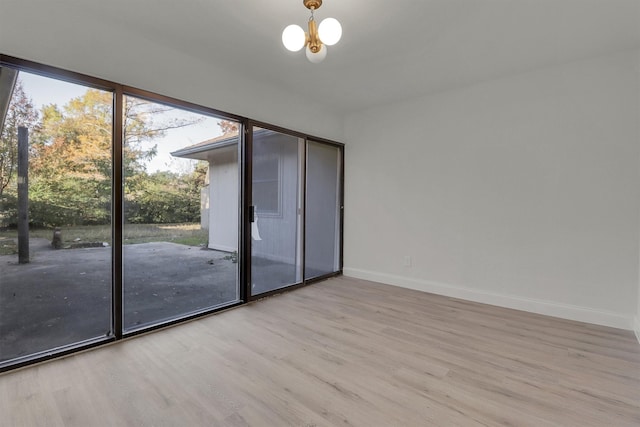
pixel 185 234
pixel 85 233
pixel 8 246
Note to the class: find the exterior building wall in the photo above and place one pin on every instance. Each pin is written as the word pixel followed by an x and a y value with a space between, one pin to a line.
pixel 222 200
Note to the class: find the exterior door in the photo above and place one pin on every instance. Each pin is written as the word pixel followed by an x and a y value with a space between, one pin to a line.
pixel 276 219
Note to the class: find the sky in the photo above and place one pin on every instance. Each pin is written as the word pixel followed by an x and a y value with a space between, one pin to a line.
pixel 44 91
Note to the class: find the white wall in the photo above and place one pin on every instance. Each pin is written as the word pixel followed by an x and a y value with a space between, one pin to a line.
pixel 62 37
pixel 521 192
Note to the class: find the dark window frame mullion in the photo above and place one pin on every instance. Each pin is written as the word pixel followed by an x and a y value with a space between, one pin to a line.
pixel 177 103
pixel 57 73
pixel 341 216
pixel 341 264
pixel 117 217
pixel 244 226
pixel 248 198
pixel 303 239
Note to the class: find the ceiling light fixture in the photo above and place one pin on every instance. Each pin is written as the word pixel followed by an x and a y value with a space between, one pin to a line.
pixel 317 39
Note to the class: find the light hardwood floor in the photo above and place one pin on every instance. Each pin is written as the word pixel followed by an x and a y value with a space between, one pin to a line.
pixel 343 352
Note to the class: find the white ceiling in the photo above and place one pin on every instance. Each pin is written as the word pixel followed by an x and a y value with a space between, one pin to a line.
pixel 390 50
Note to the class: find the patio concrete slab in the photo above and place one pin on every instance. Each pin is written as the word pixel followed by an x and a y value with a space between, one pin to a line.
pixel 64 296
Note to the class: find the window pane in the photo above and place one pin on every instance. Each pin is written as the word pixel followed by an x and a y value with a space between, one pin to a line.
pixel 181 203
pixel 55 276
pixel 322 229
pixel 266 185
pixel 276 194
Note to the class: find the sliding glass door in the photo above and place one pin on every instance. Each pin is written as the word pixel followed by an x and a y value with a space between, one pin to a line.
pixel 276 228
pixel 296 210
pixel 323 210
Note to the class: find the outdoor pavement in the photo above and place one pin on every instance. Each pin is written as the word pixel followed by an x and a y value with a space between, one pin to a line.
pixel 64 296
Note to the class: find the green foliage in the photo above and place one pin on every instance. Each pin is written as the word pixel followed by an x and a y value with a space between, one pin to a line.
pixel 68 201
pixel 8 208
pixel 70 163
pixel 70 167
pixel 21 112
pixel 164 197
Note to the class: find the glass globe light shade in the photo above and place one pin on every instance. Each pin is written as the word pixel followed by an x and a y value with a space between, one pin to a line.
pixel 330 31
pixel 293 38
pixel 317 57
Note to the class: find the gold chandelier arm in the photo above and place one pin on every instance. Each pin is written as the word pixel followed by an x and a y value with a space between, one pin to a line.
pixel 314 42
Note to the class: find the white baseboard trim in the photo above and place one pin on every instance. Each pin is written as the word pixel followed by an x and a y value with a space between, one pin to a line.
pixel 548 308
pixel 636 327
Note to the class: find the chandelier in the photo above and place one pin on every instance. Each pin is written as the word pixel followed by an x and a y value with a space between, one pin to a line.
pixel 317 39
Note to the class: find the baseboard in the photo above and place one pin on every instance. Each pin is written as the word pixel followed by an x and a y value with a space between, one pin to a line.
pixel 549 308
pixel 636 327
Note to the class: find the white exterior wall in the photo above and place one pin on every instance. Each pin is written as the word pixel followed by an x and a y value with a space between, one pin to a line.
pixel 521 192
pixel 204 204
pixel 223 200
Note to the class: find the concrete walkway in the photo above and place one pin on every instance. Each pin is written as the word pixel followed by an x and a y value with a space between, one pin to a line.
pixel 64 296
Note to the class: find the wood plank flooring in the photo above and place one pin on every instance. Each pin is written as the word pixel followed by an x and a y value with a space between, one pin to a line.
pixel 343 352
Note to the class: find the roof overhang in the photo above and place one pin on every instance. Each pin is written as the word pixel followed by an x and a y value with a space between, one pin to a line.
pixel 217 147
pixel 8 78
pixel 204 151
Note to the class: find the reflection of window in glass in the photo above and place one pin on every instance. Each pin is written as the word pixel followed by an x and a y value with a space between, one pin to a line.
pixel 266 186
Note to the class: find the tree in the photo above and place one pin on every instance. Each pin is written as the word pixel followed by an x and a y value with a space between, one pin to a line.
pixel 166 197
pixel 145 121
pixel 228 127
pixel 72 160
pixel 21 112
